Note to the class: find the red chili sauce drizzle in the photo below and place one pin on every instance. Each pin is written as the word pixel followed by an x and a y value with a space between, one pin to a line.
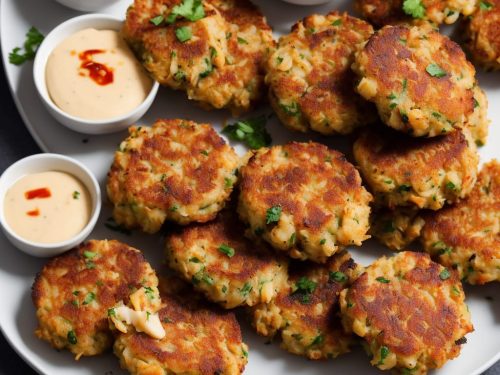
pixel 99 73
pixel 35 212
pixel 37 194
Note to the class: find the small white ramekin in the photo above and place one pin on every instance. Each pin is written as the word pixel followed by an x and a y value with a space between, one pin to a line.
pixel 44 163
pixel 87 5
pixel 56 36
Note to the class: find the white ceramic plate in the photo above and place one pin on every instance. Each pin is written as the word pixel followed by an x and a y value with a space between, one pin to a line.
pixel 17 317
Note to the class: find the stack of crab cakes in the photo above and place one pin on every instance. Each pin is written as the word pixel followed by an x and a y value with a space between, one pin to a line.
pixel 176 170
pixel 214 50
pixel 311 85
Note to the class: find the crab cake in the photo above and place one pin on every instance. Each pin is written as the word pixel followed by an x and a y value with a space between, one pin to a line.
pixel 396 228
pixel 310 77
pixel 215 52
pixel 384 12
pixel 420 80
pixel 466 236
pixel 410 311
pixel 417 172
pixel 304 314
pixel 304 199
pixel 200 339
pixel 73 292
pixel 483 35
pixel 175 170
pixel 478 121
pixel 228 268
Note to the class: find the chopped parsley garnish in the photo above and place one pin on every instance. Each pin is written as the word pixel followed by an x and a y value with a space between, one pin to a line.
pixel 179 75
pixel 455 291
pixel 90 265
pixel 174 208
pixel 338 276
pixel 89 254
pixel 72 337
pixel 318 340
pixel 183 34
pixel 244 352
pixel 476 103
pixel 445 274
pixel 382 280
pixel 228 182
pixel 247 288
pixel 304 288
pixel 89 298
pixel 450 186
pixel 76 292
pixel 251 131
pixel 273 214
pixel 191 10
pixel 113 225
pixel 414 8
pixel 292 239
pixel 76 195
pixel 33 40
pixel 292 109
pixel 148 314
pixel 242 41
pixel 435 71
pixel 384 352
pixel 149 292
pixel 111 312
pixel 158 20
pixel 224 289
pixel 210 69
pixel 225 249
pixel 194 260
pixel 337 22
pixel 279 60
pixel 485 5
pixel 404 188
pixel 204 152
pixel 322 241
pixel 201 275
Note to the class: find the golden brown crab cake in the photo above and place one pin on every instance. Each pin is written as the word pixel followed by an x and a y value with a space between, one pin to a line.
pixel 175 170
pixel 73 292
pixel 304 199
pixel 217 59
pixel 478 121
pixel 482 32
pixel 310 77
pixel 305 313
pixel 420 80
pixel 396 228
pixel 466 236
pixel 410 311
pixel 385 12
pixel 417 172
pixel 224 265
pixel 200 338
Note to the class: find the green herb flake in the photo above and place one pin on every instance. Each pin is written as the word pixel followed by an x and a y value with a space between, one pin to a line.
pixel 149 292
pixel 33 40
pixel 322 241
pixel 191 10
pixel 158 20
pixel 414 8
pixel 76 292
pixel 382 280
pixel 228 182
pixel 247 288
pixel 89 254
pixel 485 5
pixel 242 41
pixel 204 152
pixel 183 34
pixel 251 131
pixel 292 239
pixel 90 265
pixel 224 289
pixel 337 22
pixel 450 186
pixel 273 214
pixel 455 291
pixel 76 195
pixel 89 298
pixel 279 60
pixel 244 352
pixel 318 340
pixel 338 276
pixel 226 249
pixel 111 312
pixel 445 274
pixel 208 70
pixel 435 71
pixel 404 188
pixel 476 103
pixel 194 260
pixel 384 352
pixel 292 109
pixel 72 337
pixel 304 287
pixel 179 75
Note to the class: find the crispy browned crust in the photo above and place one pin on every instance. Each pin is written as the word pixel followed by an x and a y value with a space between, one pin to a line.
pixel 237 83
pixel 325 95
pixel 299 320
pixel 483 36
pixel 402 170
pixel 313 185
pixel 396 58
pixel 60 289
pixel 466 236
pixel 200 338
pixel 145 174
pixel 406 304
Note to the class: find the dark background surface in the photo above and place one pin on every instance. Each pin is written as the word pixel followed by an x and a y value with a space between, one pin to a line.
pixel 16 143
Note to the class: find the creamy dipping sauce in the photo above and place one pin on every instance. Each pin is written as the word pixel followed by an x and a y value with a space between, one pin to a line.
pixel 94 75
pixel 47 207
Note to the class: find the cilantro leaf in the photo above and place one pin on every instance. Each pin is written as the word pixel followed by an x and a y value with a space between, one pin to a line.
pixel 158 20
pixel 183 34
pixel 338 276
pixel 414 8
pixel 435 71
pixel 191 10
pixel 273 214
pixel 33 40
pixel 384 352
pixel 251 131
pixel 304 287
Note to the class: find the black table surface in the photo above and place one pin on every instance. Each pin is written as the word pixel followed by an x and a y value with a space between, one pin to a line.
pixel 16 143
